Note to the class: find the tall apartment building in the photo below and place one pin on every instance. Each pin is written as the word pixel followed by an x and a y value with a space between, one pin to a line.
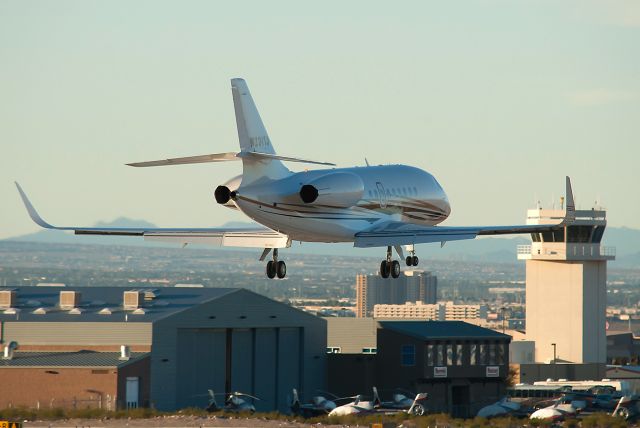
pixel 411 286
pixel 439 312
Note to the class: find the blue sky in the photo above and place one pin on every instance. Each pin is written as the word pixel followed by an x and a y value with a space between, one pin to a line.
pixel 499 99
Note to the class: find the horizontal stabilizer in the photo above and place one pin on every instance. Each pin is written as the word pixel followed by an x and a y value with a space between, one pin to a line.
pixel 222 157
pixel 259 156
pixel 215 157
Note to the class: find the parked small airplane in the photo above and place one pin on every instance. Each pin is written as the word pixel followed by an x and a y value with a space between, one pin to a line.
pixel 557 411
pixel 500 408
pixel 400 402
pixel 627 407
pixel 360 407
pixel 372 206
pixel 318 406
pixel 234 402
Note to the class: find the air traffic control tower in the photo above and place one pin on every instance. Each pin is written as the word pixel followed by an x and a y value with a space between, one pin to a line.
pixel 566 274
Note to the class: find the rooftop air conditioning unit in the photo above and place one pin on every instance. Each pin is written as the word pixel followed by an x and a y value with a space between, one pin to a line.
pixel 132 299
pixel 125 352
pixel 7 298
pixel 69 299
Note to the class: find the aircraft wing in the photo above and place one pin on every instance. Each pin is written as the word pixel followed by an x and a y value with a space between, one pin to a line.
pixel 257 237
pixel 401 233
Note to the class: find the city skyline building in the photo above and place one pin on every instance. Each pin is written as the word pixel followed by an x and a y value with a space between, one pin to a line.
pixel 447 311
pixel 411 286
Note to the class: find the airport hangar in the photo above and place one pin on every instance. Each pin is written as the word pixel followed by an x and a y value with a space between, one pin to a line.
pixel 178 343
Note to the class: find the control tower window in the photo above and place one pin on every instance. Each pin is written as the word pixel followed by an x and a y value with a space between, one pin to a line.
pixel 597 234
pixel 558 235
pixel 580 234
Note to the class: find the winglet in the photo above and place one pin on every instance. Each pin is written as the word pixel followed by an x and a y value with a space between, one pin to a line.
pixel 32 211
pixel 570 215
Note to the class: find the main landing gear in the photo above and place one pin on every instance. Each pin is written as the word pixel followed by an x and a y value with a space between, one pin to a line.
pixel 276 267
pixel 389 266
pixel 392 267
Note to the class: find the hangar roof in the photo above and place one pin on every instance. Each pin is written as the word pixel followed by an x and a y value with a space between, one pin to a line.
pixel 442 330
pixel 42 303
pixel 70 359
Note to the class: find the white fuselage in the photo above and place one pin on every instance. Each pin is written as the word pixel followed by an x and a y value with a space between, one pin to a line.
pixel 350 200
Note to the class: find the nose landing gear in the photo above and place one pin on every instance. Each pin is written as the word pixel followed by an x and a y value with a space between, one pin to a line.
pixel 412 260
pixel 276 267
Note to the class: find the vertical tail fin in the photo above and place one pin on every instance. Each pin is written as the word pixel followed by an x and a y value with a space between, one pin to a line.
pixel 253 137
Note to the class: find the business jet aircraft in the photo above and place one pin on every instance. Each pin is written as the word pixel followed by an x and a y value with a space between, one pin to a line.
pixel 372 206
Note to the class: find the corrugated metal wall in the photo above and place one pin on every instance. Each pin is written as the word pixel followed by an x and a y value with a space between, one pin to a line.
pixel 352 335
pixel 201 366
pixel 78 333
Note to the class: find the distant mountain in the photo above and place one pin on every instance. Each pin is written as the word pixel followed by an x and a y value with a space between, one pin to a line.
pixel 626 241
pixel 62 237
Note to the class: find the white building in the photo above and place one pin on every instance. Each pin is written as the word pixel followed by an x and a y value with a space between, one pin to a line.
pixel 566 274
pixel 447 311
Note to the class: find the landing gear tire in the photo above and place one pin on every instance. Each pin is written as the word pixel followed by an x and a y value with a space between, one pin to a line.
pixel 409 260
pixel 281 269
pixel 395 269
pixel 623 412
pixel 414 260
pixel 385 269
pixel 271 269
pixel 418 410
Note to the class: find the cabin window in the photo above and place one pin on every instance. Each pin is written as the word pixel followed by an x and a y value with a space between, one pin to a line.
pixel 459 354
pixel 450 354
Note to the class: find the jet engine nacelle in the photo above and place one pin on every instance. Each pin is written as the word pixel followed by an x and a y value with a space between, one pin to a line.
pixel 339 189
pixel 224 193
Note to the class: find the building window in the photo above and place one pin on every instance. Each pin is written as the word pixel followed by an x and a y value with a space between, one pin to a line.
pixel 501 353
pixel 440 355
pixel 430 356
pixel 483 354
pixel 408 355
pixel 473 354
pixel 369 350
pixel 492 353
pixel 333 350
pixel 458 354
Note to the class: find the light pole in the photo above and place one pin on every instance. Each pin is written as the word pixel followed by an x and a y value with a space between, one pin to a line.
pixel 555 370
pixel 503 309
